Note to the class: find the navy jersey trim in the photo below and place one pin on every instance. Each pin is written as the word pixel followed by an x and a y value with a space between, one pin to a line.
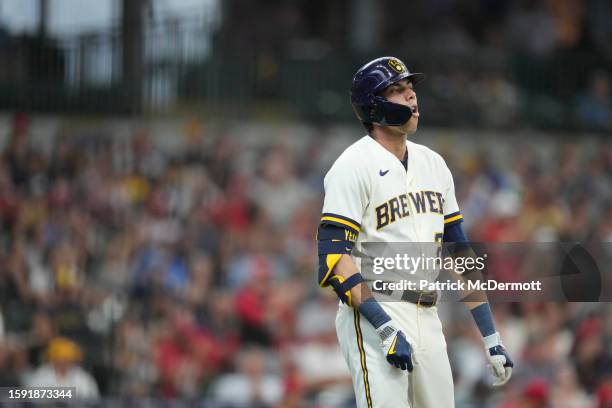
pixel 453 218
pixel 341 221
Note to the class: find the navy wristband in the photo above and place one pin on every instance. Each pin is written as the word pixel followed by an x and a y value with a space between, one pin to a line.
pixel 372 311
pixel 484 319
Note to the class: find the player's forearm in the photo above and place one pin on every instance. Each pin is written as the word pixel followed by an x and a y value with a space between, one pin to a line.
pixel 471 298
pixel 475 300
pixel 459 247
pixel 346 268
pixel 483 317
pixel 337 268
pixel 361 296
pixel 473 305
pixel 479 307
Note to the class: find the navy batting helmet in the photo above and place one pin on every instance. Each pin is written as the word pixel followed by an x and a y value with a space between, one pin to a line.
pixel 373 78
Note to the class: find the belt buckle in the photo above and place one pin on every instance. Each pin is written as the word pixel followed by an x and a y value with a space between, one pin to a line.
pixel 433 301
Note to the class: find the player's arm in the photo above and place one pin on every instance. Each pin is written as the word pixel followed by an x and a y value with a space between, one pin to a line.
pixel 338 270
pixel 347 193
pixel 501 363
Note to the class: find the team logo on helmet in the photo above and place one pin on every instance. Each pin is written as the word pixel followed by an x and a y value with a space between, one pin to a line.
pixel 396 65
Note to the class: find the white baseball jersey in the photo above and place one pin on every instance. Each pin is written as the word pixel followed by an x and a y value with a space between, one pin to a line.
pixel 369 191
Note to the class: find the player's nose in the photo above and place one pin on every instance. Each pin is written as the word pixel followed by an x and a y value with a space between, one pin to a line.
pixel 410 95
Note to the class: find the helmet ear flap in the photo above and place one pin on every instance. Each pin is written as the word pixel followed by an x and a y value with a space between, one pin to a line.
pixel 372 112
pixel 383 112
pixel 394 114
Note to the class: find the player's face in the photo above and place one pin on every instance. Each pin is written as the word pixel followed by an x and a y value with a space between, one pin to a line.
pixel 402 93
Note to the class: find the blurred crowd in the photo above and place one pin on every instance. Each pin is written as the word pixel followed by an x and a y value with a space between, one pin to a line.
pixel 494 64
pixel 178 260
pixel 306 28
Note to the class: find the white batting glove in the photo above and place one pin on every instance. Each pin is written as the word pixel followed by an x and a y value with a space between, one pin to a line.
pixel 500 362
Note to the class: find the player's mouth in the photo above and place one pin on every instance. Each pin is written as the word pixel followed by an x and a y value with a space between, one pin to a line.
pixel 415 110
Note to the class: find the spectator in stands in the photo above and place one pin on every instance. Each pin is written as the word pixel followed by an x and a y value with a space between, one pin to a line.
pixel 278 192
pixel 604 394
pixel 567 392
pixel 253 306
pixel 536 394
pixel 258 386
pixel 132 358
pixel 591 356
pixel 9 376
pixel 594 105
pixel 532 28
pixel 186 355
pixel 63 370
pixel 317 357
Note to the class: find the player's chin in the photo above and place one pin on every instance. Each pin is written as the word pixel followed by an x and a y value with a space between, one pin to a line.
pixel 411 126
pixel 407 128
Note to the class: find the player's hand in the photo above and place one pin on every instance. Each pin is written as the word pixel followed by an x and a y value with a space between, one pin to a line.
pixel 395 346
pixel 500 362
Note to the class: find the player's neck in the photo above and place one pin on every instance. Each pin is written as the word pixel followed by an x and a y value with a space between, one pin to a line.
pixel 395 143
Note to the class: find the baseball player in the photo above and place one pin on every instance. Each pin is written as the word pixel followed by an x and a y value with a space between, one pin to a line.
pixel 384 188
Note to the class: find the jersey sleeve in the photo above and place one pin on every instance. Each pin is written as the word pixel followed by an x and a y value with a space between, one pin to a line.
pixel 346 196
pixel 452 215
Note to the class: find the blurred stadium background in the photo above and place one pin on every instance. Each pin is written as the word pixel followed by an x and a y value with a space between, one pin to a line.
pixel 161 183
